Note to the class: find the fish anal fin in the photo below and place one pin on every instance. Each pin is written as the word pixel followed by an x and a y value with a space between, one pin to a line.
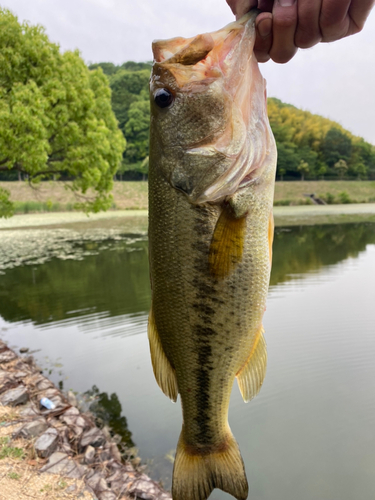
pixel 227 243
pixel 196 475
pixel 251 376
pixel 165 374
pixel 271 229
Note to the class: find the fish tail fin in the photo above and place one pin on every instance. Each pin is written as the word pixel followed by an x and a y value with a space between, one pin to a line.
pixel 196 475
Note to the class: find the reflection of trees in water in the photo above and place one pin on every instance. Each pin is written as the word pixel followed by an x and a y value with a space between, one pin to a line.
pixel 116 281
pixel 107 411
pixel 302 249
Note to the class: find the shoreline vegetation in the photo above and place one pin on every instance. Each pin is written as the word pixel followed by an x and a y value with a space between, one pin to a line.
pixel 52 196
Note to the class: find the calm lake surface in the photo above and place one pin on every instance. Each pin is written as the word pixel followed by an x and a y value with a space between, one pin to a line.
pixel 79 299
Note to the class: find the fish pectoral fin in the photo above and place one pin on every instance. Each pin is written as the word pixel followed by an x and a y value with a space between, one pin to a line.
pixel 227 243
pixel 165 374
pixel 271 230
pixel 196 474
pixel 251 376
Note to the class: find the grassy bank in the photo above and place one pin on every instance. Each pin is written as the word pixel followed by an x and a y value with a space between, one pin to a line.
pixel 54 197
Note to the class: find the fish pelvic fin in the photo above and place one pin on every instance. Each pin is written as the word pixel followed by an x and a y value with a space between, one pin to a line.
pixel 165 374
pixel 197 474
pixel 251 376
pixel 227 243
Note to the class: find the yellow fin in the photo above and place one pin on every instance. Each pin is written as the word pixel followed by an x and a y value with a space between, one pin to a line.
pixel 271 229
pixel 227 243
pixel 195 475
pixel 251 376
pixel 164 373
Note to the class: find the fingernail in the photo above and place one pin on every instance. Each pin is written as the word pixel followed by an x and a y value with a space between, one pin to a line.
pixel 265 27
pixel 287 3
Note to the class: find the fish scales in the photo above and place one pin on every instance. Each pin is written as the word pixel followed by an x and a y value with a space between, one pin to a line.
pixel 209 258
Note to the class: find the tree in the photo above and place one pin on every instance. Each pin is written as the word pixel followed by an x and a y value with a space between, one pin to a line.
pixel 136 131
pixel 303 167
pixel 55 115
pixel 341 167
pixel 336 146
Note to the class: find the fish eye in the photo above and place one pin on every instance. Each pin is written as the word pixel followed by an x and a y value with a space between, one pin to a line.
pixel 163 98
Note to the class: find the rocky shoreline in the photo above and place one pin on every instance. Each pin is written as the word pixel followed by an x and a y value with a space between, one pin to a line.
pixel 65 440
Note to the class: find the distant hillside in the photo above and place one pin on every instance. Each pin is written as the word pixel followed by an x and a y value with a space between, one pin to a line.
pixel 314 147
pixel 309 146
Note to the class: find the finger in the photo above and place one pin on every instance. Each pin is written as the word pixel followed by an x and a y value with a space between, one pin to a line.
pixel 334 21
pixel 241 7
pixel 284 16
pixel 265 5
pixel 263 41
pixel 358 13
pixel 308 30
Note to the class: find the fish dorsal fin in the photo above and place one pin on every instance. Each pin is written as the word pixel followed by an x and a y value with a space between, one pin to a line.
pixel 227 243
pixel 165 374
pixel 251 376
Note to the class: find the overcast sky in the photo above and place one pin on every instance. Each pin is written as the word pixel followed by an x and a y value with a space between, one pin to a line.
pixel 334 80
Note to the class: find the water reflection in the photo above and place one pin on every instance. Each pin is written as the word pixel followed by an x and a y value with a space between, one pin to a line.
pixel 107 411
pixel 310 431
pixel 298 250
pixel 115 281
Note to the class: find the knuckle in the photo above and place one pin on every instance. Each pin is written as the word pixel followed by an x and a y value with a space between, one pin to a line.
pixel 305 39
pixel 285 21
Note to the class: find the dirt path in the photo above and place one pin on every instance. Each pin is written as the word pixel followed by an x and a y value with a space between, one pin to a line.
pixel 128 219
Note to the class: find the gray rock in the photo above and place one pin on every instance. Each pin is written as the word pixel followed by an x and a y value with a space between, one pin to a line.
pixel 72 398
pixel 107 495
pixel 7 381
pixel 147 489
pixel 33 429
pixel 29 411
pixel 89 455
pixel 15 397
pixel 97 483
pixel 71 412
pixel 60 463
pixel 24 349
pixel 93 437
pixel 46 444
pixel 105 455
pixel 71 489
pixel 20 375
pixel 115 452
pixel 7 356
pixel 44 384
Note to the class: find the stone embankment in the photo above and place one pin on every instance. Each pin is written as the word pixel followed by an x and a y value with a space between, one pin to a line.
pixel 65 440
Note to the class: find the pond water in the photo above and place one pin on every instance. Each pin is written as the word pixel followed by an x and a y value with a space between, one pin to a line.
pixel 79 300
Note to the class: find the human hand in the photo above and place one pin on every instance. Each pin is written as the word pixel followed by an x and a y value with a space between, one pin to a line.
pixel 283 26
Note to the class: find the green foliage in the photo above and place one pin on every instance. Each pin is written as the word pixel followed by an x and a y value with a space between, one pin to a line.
pixel 7 451
pixel 6 206
pixel 336 146
pixel 55 115
pixel 344 197
pixel 301 136
pixel 329 198
pixel 341 166
pixel 304 137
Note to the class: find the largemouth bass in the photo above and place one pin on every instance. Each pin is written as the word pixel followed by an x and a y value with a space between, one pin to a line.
pixel 211 183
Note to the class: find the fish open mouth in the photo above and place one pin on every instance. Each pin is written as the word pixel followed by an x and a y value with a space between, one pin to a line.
pixel 226 57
